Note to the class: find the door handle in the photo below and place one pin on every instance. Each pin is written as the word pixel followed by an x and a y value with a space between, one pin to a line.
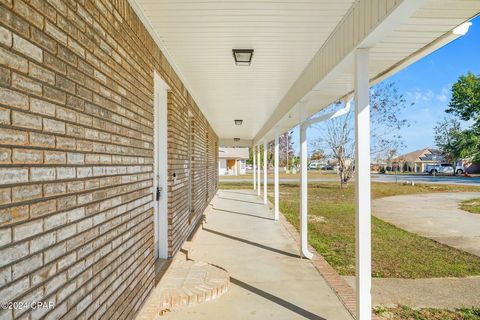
pixel 158 193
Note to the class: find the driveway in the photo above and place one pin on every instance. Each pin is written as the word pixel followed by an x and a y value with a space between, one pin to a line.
pixel 435 216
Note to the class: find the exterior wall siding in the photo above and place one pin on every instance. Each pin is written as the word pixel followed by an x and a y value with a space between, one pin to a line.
pixel 76 158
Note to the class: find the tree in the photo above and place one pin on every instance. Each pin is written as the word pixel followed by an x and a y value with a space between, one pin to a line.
pixel 465 106
pixel 285 147
pixel 446 133
pixel 455 142
pixel 339 139
pixel 465 101
pixel 318 154
pixel 386 105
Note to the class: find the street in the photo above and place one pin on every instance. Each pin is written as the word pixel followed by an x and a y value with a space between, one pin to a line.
pixel 401 178
pixel 473 181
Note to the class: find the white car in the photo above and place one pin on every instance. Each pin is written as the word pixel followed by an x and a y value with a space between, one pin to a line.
pixel 441 168
pixel 314 166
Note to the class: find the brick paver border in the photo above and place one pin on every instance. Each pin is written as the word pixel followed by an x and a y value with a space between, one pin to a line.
pixel 342 289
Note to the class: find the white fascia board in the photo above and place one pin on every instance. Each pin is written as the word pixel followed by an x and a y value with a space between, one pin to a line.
pixel 455 33
pixel 162 47
pixel 358 29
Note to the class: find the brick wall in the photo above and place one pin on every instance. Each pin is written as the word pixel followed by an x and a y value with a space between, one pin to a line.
pixel 76 140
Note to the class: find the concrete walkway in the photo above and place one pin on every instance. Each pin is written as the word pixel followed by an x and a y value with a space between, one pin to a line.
pixel 267 279
pixel 434 216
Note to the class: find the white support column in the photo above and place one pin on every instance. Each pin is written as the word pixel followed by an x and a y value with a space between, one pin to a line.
pixel 258 169
pixel 254 169
pixel 265 173
pixel 304 187
pixel 362 187
pixel 276 179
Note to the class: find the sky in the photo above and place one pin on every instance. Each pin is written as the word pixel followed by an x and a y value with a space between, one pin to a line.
pixel 427 84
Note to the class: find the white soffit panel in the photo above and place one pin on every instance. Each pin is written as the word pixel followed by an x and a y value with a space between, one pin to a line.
pixel 428 28
pixel 199 35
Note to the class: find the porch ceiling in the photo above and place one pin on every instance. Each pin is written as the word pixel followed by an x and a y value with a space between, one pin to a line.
pixel 288 65
pixel 200 36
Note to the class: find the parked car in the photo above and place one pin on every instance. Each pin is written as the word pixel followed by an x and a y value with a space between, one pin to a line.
pixel 445 168
pixel 441 168
pixel 460 169
pixel 314 166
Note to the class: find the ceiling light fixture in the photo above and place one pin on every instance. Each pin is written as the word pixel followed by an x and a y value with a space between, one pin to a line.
pixel 238 122
pixel 243 57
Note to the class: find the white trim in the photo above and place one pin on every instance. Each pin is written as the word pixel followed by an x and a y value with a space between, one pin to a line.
pixel 337 54
pixel 304 186
pixel 423 52
pixel 265 200
pixel 254 169
pixel 258 171
pixel 276 179
pixel 160 167
pixel 363 213
pixel 163 48
pixel 330 115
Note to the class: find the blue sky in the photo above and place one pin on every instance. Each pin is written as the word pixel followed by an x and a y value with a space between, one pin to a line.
pixel 427 83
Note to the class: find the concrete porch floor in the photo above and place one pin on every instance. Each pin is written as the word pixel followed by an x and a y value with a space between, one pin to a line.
pixel 268 280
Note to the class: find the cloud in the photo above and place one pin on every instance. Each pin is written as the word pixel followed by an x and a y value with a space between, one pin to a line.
pixel 444 95
pixel 420 95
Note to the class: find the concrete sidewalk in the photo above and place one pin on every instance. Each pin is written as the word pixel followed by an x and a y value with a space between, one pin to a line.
pixel 268 279
pixel 435 216
pixel 440 293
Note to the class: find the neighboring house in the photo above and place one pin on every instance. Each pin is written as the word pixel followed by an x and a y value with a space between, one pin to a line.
pixel 232 161
pixel 470 167
pixel 416 161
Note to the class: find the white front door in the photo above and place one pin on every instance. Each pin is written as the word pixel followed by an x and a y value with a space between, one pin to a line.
pixel 160 169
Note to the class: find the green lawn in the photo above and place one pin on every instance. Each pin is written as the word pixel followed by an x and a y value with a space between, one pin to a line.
pixel 406 313
pixel 472 205
pixel 396 253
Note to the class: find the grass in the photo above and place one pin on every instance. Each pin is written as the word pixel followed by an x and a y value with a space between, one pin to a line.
pixel 395 253
pixel 406 313
pixel 472 205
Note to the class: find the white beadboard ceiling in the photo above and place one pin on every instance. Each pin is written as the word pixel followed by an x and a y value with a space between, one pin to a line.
pixel 199 36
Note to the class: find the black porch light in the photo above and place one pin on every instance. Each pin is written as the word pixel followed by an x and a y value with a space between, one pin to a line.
pixel 236 139
pixel 238 122
pixel 243 57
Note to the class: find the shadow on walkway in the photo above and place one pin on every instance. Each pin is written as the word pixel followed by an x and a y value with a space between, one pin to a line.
pixel 243 214
pixel 252 243
pixel 232 199
pixel 247 193
pixel 290 306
